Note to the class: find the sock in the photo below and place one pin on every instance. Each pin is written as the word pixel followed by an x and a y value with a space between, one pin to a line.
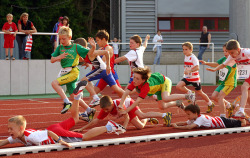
pixel 189 91
pixel 88 110
pixel 66 100
pixel 210 103
pixel 222 115
pixel 228 105
pixel 242 110
pixel 109 128
pixel 163 115
pixel 77 97
pixel 95 97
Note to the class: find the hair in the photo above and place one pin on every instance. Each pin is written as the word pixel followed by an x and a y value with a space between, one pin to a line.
pixel 137 39
pixel 65 31
pixel 144 72
pixel 81 41
pixel 233 45
pixel 66 18
pixel 22 15
pixel 9 15
pixel 105 101
pixel 102 34
pixel 188 44
pixel 19 120
pixel 225 45
pixel 194 108
pixel 158 31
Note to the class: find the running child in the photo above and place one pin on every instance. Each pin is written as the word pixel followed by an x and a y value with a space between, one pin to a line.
pixel 135 55
pixel 191 73
pixel 197 120
pixel 239 56
pixel 227 81
pixel 149 84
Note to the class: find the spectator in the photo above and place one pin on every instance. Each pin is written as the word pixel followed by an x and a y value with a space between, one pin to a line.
pixel 55 28
pixel 27 27
pixel 115 47
pixel 64 22
pixel 205 38
pixel 9 27
pixel 157 39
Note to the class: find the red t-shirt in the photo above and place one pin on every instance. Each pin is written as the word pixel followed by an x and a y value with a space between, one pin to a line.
pixel 9 27
pixel 142 89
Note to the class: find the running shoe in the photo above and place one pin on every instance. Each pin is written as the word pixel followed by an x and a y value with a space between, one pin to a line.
pixel 80 86
pixel 116 128
pixel 91 114
pixel 191 97
pixel 180 104
pixel 94 102
pixel 210 108
pixel 230 110
pixel 153 121
pixel 167 118
pixel 66 107
pixel 240 115
pixel 84 116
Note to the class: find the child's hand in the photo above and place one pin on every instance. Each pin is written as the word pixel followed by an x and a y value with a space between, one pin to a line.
pixel 65 143
pixel 64 55
pixel 210 69
pixel 92 42
pixel 186 71
pixel 77 130
pixel 203 62
pixel 147 37
pixel 174 125
pixel 108 70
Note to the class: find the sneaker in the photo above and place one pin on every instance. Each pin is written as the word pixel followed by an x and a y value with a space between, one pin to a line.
pixel 91 114
pixel 80 86
pixel 116 128
pixel 167 118
pixel 153 121
pixel 66 107
pixel 180 104
pixel 210 108
pixel 230 111
pixel 84 116
pixel 12 58
pixel 191 97
pixel 94 102
pixel 7 58
pixel 240 115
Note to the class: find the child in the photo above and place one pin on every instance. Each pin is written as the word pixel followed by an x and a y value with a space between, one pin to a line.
pixel 115 47
pixel 228 81
pixel 191 73
pixel 135 55
pixel 64 21
pixel 68 54
pixel 240 56
pixel 149 84
pixel 9 38
pixel 196 120
pixel 56 133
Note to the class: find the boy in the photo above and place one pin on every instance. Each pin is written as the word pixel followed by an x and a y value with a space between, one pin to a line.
pixel 115 47
pixel 191 73
pixel 135 55
pixel 228 81
pixel 68 54
pixel 149 84
pixel 196 120
pixel 240 56
pixel 9 38
pixel 57 132
pixel 109 106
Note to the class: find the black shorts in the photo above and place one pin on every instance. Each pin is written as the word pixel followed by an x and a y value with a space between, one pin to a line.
pixel 230 122
pixel 197 85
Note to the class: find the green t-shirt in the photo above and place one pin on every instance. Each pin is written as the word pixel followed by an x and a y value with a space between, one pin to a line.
pixel 227 75
pixel 72 59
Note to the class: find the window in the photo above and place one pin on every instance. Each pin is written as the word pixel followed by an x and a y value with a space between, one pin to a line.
pixel 164 25
pixel 179 24
pixel 223 24
pixel 194 24
pixel 209 23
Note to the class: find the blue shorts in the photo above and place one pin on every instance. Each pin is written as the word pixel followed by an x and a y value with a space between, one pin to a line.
pixel 115 75
pixel 109 79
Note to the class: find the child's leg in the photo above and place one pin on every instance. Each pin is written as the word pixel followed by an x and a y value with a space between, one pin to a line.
pixel 244 96
pixel 6 52
pixel 181 86
pixel 204 96
pixel 94 132
pixel 215 96
pixel 119 91
pixel 56 86
pixel 221 103
pixel 75 110
pixel 143 115
pixel 139 124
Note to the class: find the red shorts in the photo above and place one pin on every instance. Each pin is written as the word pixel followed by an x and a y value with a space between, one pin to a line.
pixel 132 113
pixel 62 128
pixel 8 43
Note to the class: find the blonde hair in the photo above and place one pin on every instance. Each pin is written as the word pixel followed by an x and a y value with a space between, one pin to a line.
pixel 9 15
pixel 233 45
pixel 18 120
pixel 65 31
pixel 188 44
pixel 22 15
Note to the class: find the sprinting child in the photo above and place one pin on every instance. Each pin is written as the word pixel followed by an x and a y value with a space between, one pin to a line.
pixel 9 38
pixel 197 120
pixel 191 74
pixel 135 55
pixel 239 56
pixel 227 81
pixel 149 84
pixel 68 54
pixel 56 133
pixel 115 47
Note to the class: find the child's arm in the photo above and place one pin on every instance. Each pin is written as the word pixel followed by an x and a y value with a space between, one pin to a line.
pixel 146 41
pixel 58 58
pixel 120 59
pixel 6 31
pixel 93 46
pixel 136 103
pixel 126 121
pixel 196 68
pixel 92 123
pixel 221 66
pixel 4 142
pixel 124 96
pixel 211 64
pixel 182 125
pixel 55 137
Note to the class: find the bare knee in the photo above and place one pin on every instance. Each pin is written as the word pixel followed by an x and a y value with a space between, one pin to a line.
pixel 54 83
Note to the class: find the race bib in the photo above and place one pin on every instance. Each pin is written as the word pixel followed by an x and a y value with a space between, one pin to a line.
pixel 64 71
pixel 223 74
pixel 243 71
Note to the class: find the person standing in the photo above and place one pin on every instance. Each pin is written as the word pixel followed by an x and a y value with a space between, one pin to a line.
pixel 205 38
pixel 157 39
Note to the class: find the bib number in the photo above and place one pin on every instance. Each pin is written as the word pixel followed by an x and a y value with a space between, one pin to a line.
pixel 64 71
pixel 243 71
pixel 223 74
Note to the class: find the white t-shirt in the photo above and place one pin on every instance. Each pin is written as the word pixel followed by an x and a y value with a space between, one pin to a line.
pixel 135 58
pixel 33 137
pixel 190 62
pixel 242 59
pixel 208 121
pixel 156 38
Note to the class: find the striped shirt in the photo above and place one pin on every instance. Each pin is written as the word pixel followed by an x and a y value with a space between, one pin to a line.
pixel 189 63
pixel 208 121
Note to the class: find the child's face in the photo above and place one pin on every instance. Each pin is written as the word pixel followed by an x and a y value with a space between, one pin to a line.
pixel 133 45
pixel 64 40
pixel 191 116
pixel 65 22
pixel 138 79
pixel 108 109
pixel 9 18
pixel 101 42
pixel 186 51
pixel 226 54
pixel 14 130
pixel 115 39
pixel 25 18
pixel 234 53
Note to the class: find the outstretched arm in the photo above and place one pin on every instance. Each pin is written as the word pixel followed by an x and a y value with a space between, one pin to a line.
pixel 182 125
pixel 92 123
pixel 221 66
pixel 57 138
pixel 146 41
pixel 4 142
pixel 211 64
